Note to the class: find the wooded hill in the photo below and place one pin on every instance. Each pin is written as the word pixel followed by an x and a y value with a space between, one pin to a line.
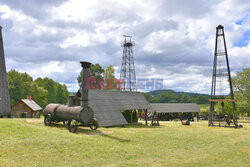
pixel 171 96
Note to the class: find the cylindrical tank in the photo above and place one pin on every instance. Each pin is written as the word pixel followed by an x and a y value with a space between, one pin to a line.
pixel 60 112
pixel 50 109
pixel 81 113
pixel 68 113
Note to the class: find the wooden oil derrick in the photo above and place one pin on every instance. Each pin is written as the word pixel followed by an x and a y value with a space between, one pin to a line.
pixel 222 90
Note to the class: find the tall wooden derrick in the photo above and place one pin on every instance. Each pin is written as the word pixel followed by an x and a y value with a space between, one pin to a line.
pixel 4 92
pixel 222 90
pixel 127 67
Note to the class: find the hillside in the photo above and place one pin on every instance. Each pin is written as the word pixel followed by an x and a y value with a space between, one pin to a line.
pixel 170 96
pixel 189 94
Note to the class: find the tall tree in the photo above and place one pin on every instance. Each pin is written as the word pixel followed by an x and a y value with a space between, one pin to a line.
pixel 50 86
pixel 241 85
pixel 109 73
pixel 39 94
pixel 16 86
pixel 95 71
pixel 61 94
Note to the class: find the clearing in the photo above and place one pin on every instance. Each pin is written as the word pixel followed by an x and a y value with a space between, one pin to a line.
pixel 27 142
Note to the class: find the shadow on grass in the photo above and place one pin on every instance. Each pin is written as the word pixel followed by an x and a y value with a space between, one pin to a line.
pixel 80 129
pixel 139 125
pixel 88 131
pixel 115 138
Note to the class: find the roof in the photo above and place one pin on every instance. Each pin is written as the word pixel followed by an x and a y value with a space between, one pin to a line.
pixel 108 104
pixel 31 104
pixel 174 107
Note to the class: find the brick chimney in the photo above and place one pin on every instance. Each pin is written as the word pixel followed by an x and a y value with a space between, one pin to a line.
pixel 29 97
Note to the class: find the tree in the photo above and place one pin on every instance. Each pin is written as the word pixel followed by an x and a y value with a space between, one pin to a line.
pixel 148 97
pixel 165 98
pixel 241 86
pixel 39 94
pixel 57 93
pixel 50 86
pixel 95 71
pixel 202 99
pixel 21 85
pixel 227 107
pixel 109 73
pixel 16 86
pixel 61 94
pixel 43 91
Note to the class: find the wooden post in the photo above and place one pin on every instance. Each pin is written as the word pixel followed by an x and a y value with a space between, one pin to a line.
pixel 152 121
pixel 131 116
pixel 146 116
pixel 158 119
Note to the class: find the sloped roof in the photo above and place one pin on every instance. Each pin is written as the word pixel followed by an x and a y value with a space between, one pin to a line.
pixel 107 105
pixel 174 107
pixel 31 104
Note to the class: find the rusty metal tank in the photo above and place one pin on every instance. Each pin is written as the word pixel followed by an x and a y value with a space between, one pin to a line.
pixel 60 112
pixel 75 115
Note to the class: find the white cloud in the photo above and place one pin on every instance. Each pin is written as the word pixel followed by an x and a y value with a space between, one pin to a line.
pixel 174 39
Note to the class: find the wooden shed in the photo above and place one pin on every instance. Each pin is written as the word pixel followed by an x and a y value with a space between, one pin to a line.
pixel 170 111
pixel 25 108
pixel 108 104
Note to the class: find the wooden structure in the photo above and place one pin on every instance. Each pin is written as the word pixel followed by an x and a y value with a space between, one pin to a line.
pixel 170 111
pixel 4 92
pixel 221 79
pixel 108 104
pixel 26 108
pixel 94 107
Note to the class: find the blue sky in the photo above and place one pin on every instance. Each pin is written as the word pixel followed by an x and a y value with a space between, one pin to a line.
pixel 174 40
pixel 243 40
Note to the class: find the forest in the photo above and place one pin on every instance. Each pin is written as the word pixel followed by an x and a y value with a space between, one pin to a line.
pixel 45 90
pixel 42 90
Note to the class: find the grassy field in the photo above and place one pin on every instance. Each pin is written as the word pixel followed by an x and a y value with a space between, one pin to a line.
pixel 29 143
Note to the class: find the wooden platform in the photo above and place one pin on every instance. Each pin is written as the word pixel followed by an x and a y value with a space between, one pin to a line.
pixel 222 100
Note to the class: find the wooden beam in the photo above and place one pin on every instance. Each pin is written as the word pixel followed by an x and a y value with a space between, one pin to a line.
pixel 131 116
pixel 146 116
pixel 224 100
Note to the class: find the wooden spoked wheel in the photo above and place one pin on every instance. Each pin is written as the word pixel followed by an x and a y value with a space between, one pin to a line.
pixel 47 120
pixel 94 124
pixel 72 126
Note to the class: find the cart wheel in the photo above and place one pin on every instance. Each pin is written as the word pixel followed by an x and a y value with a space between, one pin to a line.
pixel 47 120
pixel 94 124
pixel 72 126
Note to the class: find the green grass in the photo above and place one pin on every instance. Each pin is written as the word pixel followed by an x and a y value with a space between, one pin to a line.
pixel 30 143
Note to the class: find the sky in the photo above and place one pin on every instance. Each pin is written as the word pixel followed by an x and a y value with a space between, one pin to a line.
pixel 174 39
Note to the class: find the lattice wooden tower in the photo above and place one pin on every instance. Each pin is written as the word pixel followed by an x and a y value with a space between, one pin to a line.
pixel 4 92
pixel 222 90
pixel 127 66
